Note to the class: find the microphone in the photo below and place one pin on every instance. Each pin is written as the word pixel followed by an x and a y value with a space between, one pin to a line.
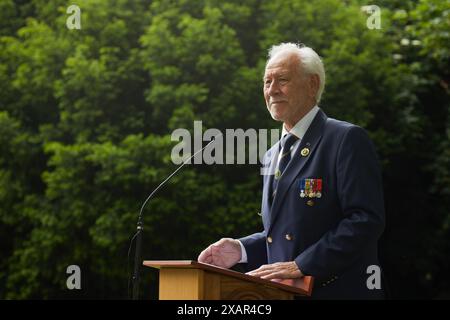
pixel 140 227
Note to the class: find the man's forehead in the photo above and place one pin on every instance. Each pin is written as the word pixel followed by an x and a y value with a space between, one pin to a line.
pixel 282 64
pixel 275 71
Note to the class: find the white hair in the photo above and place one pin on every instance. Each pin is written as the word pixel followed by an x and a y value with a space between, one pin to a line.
pixel 310 61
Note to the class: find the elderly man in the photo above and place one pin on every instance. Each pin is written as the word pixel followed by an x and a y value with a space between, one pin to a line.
pixel 322 204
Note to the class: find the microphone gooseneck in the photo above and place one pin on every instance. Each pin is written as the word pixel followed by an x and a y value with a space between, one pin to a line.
pixel 140 227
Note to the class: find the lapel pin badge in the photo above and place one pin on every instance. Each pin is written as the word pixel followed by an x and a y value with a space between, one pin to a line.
pixel 304 152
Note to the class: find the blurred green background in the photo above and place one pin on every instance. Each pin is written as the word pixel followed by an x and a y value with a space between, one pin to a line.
pixel 86 117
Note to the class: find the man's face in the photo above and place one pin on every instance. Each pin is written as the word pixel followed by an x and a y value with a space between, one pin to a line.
pixel 288 93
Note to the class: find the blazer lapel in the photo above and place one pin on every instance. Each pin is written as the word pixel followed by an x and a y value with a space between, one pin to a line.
pixel 310 140
pixel 269 171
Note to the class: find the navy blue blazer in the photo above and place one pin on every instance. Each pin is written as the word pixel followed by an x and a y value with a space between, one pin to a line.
pixel 334 237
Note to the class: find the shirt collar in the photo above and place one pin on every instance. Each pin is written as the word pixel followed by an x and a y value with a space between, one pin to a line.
pixel 300 128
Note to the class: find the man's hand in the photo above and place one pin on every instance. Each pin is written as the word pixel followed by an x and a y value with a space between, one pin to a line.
pixel 279 270
pixel 224 253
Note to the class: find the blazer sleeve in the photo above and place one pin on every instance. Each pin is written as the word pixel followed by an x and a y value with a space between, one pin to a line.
pixel 360 194
pixel 255 246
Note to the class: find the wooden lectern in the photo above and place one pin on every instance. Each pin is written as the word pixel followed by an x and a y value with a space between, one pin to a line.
pixel 191 280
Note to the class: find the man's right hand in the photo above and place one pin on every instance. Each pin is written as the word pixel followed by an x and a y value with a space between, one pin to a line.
pixel 224 253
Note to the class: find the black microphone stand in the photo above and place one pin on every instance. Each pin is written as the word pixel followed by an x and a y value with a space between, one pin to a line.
pixel 140 227
pixel 137 259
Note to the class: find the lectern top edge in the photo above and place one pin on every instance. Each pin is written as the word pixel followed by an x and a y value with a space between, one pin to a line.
pixel 302 286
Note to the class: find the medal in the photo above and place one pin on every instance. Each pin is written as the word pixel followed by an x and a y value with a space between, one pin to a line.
pixel 319 188
pixel 312 194
pixel 302 188
pixel 307 187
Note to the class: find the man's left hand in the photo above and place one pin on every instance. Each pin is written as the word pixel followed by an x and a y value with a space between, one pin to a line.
pixel 279 270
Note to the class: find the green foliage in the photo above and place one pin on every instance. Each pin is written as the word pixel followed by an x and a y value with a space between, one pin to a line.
pixel 86 117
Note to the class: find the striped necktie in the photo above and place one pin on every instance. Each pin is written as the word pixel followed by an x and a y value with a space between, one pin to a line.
pixel 286 143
